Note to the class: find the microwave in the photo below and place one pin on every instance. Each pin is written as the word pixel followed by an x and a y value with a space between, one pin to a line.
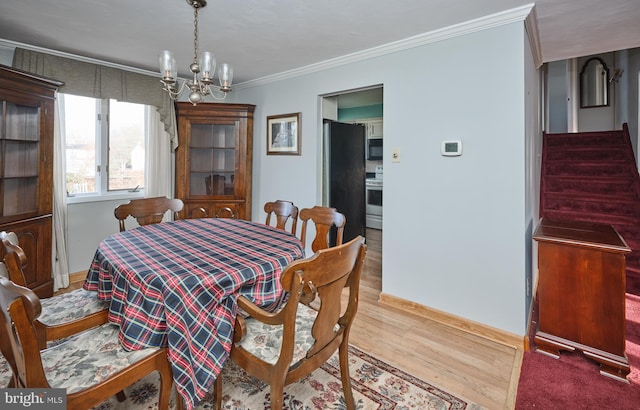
pixel 374 149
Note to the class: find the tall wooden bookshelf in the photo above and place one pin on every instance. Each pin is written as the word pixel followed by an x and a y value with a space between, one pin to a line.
pixel 26 169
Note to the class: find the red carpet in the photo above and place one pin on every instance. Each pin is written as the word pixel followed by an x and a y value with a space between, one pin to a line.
pixel 592 176
pixel 574 382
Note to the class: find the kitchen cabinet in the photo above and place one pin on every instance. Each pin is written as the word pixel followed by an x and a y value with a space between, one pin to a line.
pixel 214 158
pixel 26 169
pixel 374 128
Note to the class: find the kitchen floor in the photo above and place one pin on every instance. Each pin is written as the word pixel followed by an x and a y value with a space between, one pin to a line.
pixel 372 273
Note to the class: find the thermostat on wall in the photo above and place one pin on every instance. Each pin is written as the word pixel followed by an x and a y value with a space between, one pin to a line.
pixel 451 148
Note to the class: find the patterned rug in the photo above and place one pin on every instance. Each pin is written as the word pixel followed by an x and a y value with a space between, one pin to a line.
pixel 376 385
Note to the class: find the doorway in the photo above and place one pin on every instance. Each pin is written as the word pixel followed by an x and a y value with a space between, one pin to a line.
pixel 361 106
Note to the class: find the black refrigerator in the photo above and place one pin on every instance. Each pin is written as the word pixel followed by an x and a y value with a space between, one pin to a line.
pixel 344 147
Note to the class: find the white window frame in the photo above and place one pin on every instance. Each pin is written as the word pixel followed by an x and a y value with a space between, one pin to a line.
pixel 102 160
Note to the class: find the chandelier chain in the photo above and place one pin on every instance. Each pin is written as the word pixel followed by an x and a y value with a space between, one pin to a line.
pixel 195 34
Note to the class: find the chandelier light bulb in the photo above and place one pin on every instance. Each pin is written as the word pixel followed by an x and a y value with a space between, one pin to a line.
pixel 167 65
pixel 207 66
pixel 225 75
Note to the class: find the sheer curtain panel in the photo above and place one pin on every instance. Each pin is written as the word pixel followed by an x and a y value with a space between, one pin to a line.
pixel 60 265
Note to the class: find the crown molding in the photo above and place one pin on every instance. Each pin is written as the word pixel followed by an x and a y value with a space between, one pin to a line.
pixel 11 45
pixel 521 13
pixel 531 27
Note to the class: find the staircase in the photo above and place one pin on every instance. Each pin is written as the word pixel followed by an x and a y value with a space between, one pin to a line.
pixel 592 176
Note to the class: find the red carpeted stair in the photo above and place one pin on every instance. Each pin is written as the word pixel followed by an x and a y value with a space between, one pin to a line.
pixel 592 176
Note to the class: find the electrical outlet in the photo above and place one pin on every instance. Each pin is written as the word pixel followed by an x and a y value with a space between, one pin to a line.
pixel 395 154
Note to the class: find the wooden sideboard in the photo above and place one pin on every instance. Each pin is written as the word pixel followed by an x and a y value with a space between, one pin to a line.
pixel 581 292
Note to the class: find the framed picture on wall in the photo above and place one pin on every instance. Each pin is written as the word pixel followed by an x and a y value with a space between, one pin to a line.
pixel 283 134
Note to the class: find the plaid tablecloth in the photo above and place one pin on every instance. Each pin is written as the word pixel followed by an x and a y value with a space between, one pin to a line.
pixel 175 284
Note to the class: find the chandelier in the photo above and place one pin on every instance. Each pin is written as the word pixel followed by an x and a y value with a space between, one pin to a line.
pixel 203 70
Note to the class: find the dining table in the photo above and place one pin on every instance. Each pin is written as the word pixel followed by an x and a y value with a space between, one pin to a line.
pixel 175 285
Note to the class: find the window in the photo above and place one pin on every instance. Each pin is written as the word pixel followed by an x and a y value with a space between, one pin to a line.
pixel 105 146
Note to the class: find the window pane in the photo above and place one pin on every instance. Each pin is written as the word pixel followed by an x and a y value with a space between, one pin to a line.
pixel 80 143
pixel 126 145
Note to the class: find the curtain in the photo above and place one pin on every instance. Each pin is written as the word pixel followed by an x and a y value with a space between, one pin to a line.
pixel 60 264
pixel 158 168
pixel 98 81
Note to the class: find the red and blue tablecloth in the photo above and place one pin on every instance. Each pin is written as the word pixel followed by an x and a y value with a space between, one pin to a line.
pixel 175 284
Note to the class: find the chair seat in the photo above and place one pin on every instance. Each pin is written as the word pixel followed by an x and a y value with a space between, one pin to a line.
pixel 70 306
pixel 264 341
pixel 88 358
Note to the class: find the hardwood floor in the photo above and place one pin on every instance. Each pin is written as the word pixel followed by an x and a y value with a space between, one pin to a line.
pixel 463 364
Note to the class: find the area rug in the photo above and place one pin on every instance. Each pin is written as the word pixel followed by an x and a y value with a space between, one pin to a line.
pixel 376 385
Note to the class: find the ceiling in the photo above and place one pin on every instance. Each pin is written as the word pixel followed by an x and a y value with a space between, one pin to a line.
pixel 261 38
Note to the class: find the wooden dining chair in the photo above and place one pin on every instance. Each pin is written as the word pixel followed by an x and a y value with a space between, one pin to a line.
pixel 147 210
pixel 92 366
pixel 62 315
pixel 281 348
pixel 324 218
pixel 283 212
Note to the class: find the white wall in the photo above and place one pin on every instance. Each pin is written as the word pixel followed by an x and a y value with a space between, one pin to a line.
pixel 456 236
pixel 88 224
pixel 557 90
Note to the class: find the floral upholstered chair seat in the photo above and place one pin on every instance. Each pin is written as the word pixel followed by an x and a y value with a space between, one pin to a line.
pixel 70 306
pixel 265 341
pixel 88 358
pixel 5 372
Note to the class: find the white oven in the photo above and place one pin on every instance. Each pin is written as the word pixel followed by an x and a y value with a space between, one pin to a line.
pixel 373 199
pixel 374 204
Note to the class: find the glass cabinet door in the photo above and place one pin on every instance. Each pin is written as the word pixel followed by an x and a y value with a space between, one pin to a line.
pixel 19 158
pixel 213 160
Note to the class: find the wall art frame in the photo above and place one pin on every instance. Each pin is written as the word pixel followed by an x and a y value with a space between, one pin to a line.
pixel 284 134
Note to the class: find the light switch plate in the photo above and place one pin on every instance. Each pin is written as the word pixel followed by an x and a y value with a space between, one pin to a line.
pixel 395 154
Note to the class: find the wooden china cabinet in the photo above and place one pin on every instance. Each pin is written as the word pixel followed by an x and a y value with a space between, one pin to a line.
pixel 214 158
pixel 26 169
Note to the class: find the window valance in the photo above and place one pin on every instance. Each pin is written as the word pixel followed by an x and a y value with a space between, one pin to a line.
pixel 98 81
